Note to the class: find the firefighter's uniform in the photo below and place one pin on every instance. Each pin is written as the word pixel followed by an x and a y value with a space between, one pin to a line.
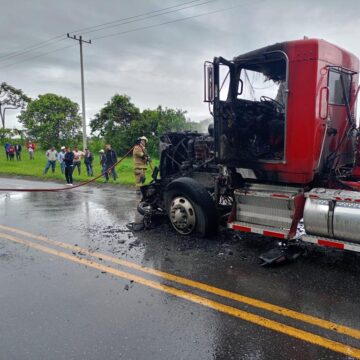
pixel 140 158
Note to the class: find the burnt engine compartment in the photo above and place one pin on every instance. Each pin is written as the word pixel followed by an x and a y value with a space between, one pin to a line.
pixel 187 154
pixel 183 153
pixel 250 130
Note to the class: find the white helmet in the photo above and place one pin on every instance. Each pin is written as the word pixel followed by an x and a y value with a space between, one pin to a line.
pixel 143 138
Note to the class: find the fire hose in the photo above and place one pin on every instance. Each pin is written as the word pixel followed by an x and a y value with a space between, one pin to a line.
pixel 75 186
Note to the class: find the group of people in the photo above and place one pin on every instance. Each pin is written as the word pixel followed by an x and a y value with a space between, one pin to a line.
pixel 12 151
pixel 141 160
pixel 108 159
pixel 71 159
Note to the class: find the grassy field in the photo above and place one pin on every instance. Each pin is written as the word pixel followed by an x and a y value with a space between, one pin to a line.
pixel 35 168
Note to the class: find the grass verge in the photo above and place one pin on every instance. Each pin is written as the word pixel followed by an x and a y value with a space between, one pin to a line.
pixel 35 168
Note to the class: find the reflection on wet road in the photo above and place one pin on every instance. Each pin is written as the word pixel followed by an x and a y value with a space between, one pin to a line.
pixel 71 253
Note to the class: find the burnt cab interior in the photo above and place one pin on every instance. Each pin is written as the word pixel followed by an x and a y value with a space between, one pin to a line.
pixel 249 107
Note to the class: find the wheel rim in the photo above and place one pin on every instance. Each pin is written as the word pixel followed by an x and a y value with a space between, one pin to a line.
pixel 182 215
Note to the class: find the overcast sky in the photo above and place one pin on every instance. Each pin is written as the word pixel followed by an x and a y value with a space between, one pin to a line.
pixel 160 65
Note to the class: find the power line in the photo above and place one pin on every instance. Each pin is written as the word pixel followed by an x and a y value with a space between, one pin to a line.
pixel 171 21
pixel 137 29
pixel 83 30
pixel 31 48
pixel 62 37
pixel 36 56
pixel 148 17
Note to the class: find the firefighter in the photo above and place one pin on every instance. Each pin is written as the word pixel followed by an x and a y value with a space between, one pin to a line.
pixel 141 160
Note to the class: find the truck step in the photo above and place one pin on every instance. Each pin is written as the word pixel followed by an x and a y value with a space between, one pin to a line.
pixel 269 206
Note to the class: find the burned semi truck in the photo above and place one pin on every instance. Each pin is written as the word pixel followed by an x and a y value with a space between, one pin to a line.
pixel 284 148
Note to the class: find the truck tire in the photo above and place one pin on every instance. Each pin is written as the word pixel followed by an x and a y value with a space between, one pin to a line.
pixel 190 208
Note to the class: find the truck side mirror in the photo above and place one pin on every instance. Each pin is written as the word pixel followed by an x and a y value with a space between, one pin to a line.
pixel 208 82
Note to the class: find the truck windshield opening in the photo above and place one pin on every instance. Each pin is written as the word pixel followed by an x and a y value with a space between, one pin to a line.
pixel 253 115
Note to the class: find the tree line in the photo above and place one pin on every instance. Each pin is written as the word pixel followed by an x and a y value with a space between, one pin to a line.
pixel 52 119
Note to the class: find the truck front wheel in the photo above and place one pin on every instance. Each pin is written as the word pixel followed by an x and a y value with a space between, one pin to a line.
pixel 190 208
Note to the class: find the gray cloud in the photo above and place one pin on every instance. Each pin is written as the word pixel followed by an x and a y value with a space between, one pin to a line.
pixel 162 65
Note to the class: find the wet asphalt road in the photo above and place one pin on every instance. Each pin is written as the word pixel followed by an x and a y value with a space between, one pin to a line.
pixel 54 308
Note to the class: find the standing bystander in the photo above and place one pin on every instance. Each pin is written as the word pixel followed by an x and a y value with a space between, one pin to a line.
pixel 11 151
pixel 18 149
pixel 69 165
pixel 102 162
pixel 6 146
pixel 110 161
pixel 78 154
pixel 51 156
pixel 88 160
pixel 31 150
pixel 61 159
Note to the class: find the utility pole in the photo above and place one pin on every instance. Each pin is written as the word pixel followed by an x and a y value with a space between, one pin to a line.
pixel 80 40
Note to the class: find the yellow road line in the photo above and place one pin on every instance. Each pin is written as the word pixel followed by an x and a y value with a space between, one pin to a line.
pixel 325 324
pixel 255 319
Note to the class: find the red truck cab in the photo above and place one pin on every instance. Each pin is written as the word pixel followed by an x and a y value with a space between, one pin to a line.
pixel 302 133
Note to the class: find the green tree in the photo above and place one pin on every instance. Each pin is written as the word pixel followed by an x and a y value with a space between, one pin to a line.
pixel 154 123
pixel 52 120
pixel 10 99
pixel 5 133
pixel 120 123
pixel 114 122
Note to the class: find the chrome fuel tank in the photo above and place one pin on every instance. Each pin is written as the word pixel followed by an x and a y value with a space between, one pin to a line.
pixel 346 223
pixel 316 217
pixel 333 213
